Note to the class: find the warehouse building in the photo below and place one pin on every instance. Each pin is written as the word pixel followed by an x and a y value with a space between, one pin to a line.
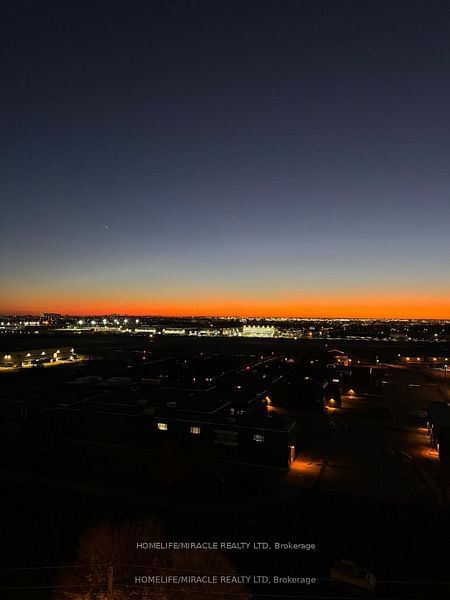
pixel 40 356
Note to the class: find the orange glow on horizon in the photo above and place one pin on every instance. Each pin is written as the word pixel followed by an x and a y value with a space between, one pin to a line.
pixel 324 306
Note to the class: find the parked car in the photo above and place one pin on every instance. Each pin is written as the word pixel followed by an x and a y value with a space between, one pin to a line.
pixel 346 572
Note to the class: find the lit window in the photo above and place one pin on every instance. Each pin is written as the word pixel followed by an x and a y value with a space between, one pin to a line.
pixel 162 426
pixel 195 430
pixel 258 437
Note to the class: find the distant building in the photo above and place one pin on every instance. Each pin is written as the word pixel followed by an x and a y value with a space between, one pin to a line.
pixel 28 358
pixel 51 318
pixel 262 331
pixel 232 331
pixel 174 331
pixel 338 357
pixel 433 361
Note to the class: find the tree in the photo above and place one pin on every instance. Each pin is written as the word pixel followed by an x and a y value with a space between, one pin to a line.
pixel 108 545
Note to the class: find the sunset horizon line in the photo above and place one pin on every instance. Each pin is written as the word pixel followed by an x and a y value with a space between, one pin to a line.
pixel 221 316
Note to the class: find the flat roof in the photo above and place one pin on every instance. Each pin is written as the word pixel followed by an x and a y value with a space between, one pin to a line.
pixel 207 401
pixel 225 421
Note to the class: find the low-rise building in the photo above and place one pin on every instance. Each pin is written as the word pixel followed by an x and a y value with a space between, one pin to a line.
pixel 235 426
pixel 439 429
pixel 39 356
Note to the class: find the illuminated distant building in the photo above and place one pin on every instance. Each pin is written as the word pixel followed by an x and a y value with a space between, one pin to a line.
pixel 262 331
pixel 36 357
pixel 337 357
pixel 174 331
pixel 50 318
pixel 232 331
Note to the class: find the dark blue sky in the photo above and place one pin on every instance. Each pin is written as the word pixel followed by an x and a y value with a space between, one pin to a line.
pixel 212 156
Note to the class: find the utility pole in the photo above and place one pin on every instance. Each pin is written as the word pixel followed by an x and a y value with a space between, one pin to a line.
pixel 110 583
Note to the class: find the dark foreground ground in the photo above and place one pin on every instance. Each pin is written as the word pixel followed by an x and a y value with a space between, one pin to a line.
pixel 373 493
pixel 405 546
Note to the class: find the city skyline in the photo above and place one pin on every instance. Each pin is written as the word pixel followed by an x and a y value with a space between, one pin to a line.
pixel 230 159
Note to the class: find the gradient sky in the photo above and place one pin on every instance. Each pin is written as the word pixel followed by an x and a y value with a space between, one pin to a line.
pixel 284 157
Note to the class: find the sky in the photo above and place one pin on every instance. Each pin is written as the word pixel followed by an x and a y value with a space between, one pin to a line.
pixel 254 158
